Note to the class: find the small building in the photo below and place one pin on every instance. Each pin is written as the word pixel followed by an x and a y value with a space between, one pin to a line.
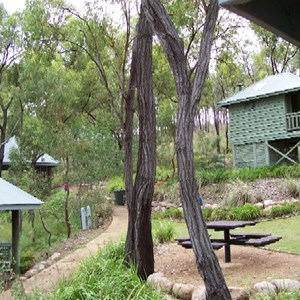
pixel 44 165
pixel 264 122
pixel 15 200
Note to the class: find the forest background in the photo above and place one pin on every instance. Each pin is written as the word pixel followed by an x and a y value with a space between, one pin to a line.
pixel 64 76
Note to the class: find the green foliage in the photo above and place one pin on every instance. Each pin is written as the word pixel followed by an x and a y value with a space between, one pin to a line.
pixel 164 232
pixel 99 204
pixel 244 213
pixel 283 210
pixel 27 259
pixel 218 214
pixel 282 295
pixel 206 213
pixel 172 213
pixel 248 174
pixel 105 276
pixel 240 213
pixel 116 183
pixel 162 173
pixel 35 241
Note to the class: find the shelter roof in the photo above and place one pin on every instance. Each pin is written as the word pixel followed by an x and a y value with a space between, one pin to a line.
pixel 278 16
pixel 44 160
pixel 269 86
pixel 13 198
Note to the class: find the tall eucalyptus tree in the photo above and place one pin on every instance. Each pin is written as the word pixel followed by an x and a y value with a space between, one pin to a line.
pixel 188 92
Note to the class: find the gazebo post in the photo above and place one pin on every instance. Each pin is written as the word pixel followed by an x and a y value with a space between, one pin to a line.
pixel 16 241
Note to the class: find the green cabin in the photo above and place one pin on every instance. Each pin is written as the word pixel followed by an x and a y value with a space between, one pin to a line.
pixel 264 122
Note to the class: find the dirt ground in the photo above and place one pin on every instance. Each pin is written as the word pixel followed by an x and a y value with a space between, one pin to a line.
pixel 249 265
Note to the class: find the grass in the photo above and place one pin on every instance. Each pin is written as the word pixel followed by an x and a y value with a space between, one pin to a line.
pixel 287 228
pixel 103 276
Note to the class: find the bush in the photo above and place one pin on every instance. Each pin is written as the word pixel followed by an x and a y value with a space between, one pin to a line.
pixel 293 188
pixel 245 212
pixel 116 183
pixel 239 194
pixel 101 207
pixel 27 259
pixel 218 214
pixel 279 211
pixel 105 276
pixel 206 213
pixel 172 213
pixel 164 232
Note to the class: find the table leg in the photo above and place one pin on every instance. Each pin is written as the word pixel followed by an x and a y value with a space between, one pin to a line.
pixel 227 246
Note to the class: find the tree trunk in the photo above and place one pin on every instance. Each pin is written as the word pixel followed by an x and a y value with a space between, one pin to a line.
pixel 67 199
pixel 139 243
pixel 3 128
pixel 188 95
pixel 216 113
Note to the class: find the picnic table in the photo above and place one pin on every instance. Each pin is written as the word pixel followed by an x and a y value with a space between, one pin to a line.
pixel 242 239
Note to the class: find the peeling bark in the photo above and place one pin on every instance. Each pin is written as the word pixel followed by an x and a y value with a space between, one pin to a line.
pixel 189 92
pixel 139 243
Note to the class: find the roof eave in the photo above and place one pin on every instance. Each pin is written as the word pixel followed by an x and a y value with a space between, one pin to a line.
pixel 20 207
pixel 275 24
pixel 228 103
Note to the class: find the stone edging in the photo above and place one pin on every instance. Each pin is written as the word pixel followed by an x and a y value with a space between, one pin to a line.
pixel 191 292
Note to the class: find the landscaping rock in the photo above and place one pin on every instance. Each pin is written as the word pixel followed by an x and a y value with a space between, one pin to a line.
pixel 207 205
pixel 183 291
pixel 266 288
pixel 31 273
pixel 55 256
pixel 286 284
pixel 244 294
pixel 236 292
pixel 259 204
pixel 199 293
pixel 269 203
pixel 39 267
pixel 160 283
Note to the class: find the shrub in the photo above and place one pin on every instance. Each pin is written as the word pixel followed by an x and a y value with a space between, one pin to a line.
pixel 219 214
pixel 293 188
pixel 105 276
pixel 27 258
pixel 164 232
pixel 245 212
pixel 239 194
pixel 116 183
pixel 278 211
pixel 206 213
pixel 172 213
pixel 97 200
pixel 162 173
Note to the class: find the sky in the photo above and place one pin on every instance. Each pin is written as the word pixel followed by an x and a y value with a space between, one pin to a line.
pixel 15 5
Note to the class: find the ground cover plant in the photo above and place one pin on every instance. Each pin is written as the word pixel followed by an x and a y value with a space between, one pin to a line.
pixel 103 276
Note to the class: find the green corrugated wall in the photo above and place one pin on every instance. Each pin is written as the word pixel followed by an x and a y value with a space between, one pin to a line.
pixel 257 121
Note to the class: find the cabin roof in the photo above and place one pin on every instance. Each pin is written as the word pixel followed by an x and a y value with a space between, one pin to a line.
pixel 44 160
pixel 269 86
pixel 13 198
pixel 278 16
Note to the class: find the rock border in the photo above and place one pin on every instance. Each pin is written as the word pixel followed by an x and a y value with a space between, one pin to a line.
pixel 181 291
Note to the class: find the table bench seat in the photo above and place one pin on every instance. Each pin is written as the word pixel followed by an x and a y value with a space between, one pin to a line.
pixel 188 244
pixel 244 235
pixel 263 241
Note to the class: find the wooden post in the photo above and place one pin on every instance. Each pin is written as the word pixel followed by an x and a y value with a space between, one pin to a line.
pixel 16 241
